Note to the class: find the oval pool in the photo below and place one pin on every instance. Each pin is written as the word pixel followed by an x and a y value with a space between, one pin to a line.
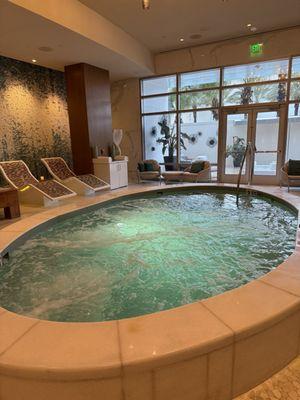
pixel 145 254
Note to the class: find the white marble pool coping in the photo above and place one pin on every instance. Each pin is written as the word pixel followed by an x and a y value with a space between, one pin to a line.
pixel 212 349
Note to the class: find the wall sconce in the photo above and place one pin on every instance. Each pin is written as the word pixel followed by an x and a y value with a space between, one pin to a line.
pixel 146 4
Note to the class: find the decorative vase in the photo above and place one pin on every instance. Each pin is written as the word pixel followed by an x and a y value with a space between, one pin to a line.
pixel 237 160
pixel 117 139
pixel 169 163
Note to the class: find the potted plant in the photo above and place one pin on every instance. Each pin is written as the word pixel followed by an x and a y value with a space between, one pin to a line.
pixel 296 106
pixel 236 150
pixel 168 140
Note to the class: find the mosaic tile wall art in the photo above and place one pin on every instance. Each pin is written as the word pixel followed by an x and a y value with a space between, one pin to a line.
pixel 33 114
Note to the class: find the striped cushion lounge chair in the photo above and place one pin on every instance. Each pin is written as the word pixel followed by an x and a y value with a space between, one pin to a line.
pixel 81 184
pixel 32 191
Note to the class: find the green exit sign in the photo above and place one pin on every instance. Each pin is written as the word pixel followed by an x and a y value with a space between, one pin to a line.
pixel 256 49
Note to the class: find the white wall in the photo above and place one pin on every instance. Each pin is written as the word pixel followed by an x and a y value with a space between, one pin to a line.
pixel 277 44
pixel 293 139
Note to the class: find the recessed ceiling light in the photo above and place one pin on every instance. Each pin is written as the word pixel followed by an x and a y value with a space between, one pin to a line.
pixel 181 39
pixel 249 25
pixel 33 60
pixel 146 4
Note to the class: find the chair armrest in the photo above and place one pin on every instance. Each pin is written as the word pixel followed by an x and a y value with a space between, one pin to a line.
pixel 205 170
pixel 284 178
pixel 283 172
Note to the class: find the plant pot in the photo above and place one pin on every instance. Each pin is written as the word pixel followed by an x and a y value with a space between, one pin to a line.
pixel 170 162
pixel 237 161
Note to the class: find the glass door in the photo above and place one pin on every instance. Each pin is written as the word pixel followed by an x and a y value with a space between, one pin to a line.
pixel 268 140
pixel 235 128
pixel 262 128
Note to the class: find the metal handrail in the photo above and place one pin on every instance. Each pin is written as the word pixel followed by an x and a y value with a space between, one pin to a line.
pixel 251 149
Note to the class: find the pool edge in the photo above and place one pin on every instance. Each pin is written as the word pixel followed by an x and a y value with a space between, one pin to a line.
pixel 155 349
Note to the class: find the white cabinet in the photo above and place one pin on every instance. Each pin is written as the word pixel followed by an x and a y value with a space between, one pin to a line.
pixel 113 172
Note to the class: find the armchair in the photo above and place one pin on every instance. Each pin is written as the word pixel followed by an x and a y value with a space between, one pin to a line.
pixel 290 177
pixel 149 170
pixel 188 176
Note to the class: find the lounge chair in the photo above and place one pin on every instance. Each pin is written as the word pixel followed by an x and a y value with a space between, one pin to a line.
pixel 149 170
pixel 81 184
pixel 290 174
pixel 188 175
pixel 30 189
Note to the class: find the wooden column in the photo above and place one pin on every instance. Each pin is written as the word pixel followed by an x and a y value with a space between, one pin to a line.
pixel 89 107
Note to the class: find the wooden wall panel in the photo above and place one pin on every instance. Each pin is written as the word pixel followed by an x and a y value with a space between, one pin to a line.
pixel 89 104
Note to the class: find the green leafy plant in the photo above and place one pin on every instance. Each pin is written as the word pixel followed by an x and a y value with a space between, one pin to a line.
pixel 296 106
pixel 168 137
pixel 295 95
pixel 236 150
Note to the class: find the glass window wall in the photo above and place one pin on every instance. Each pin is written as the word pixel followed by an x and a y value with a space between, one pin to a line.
pixel 293 133
pixel 192 99
pixel 164 84
pixel 200 80
pixel 256 72
pixel 243 95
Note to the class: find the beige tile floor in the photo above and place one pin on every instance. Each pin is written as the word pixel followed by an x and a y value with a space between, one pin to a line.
pixel 26 211
pixel 284 385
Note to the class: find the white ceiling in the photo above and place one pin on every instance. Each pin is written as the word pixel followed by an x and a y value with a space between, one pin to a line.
pixel 22 33
pixel 168 20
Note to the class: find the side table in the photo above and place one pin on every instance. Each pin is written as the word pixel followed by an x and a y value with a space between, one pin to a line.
pixel 9 200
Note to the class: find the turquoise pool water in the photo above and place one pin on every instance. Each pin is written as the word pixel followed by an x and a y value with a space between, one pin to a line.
pixel 146 254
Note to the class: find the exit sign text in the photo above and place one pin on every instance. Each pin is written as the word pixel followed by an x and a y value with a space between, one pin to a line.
pixel 256 49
